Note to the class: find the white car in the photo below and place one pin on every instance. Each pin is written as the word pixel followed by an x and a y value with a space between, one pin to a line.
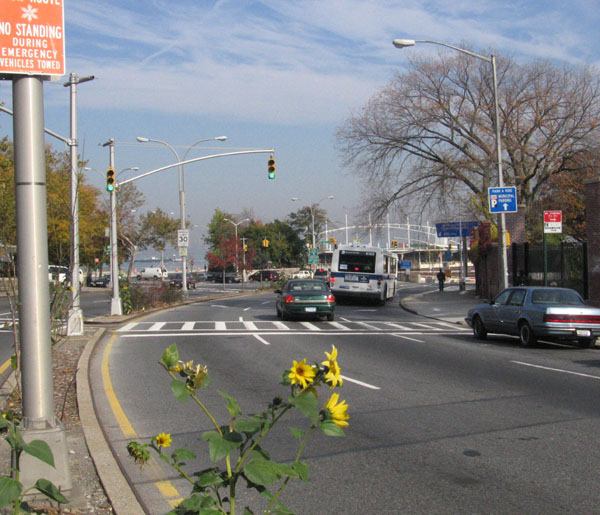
pixel 154 273
pixel 302 274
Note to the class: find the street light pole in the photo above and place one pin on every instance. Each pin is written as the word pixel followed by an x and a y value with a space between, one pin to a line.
pixel 75 315
pixel 181 193
pixel 236 238
pixel 115 301
pixel 502 258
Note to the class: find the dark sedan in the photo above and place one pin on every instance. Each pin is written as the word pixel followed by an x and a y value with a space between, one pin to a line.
pixel 177 281
pixel 304 297
pixel 532 313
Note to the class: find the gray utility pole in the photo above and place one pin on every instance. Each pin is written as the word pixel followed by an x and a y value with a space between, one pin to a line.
pixel 75 316
pixel 115 301
pixel 39 421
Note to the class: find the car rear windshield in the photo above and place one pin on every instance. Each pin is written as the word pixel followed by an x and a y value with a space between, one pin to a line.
pixel 555 297
pixel 356 261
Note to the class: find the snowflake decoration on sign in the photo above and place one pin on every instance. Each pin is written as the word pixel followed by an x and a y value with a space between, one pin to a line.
pixel 29 13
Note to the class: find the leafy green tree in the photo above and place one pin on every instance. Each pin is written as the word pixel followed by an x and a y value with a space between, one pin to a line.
pixel 160 229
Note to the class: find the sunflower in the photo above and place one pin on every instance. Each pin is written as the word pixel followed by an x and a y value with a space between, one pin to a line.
pixel 301 373
pixel 338 411
pixel 163 440
pixel 332 376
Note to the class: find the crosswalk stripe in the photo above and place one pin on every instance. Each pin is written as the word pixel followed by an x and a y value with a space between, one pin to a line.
pixel 250 326
pixel 281 326
pixel 188 326
pixel 368 326
pixel 127 327
pixel 310 327
pixel 156 326
pixel 340 326
pixel 220 326
pixel 397 326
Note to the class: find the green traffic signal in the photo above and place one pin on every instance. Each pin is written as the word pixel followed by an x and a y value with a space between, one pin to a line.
pixel 271 168
pixel 110 180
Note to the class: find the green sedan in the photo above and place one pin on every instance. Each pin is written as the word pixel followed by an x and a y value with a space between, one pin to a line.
pixel 304 297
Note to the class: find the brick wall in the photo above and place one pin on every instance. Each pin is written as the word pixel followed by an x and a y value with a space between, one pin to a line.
pixel 592 216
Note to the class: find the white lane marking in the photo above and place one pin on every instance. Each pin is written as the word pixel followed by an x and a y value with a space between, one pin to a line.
pixel 247 309
pixel 218 306
pixel 356 381
pixel 310 327
pixel 397 326
pixel 127 327
pixel 339 326
pixel 188 326
pixel 407 337
pixel 267 302
pixel 220 326
pixel 421 325
pixel 250 326
pixel 281 326
pixel 368 326
pixel 156 326
pixel 261 339
pixel 365 310
pixel 240 319
pixel 556 370
pixel 165 334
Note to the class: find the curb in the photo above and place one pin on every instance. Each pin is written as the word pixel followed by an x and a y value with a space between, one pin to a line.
pixel 115 485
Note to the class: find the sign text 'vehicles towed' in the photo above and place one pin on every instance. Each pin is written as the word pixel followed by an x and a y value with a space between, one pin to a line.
pixel 32 37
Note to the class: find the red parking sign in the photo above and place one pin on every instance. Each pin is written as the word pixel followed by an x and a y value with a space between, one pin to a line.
pixel 552 221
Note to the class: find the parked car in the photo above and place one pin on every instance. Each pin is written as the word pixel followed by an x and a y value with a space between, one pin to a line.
pixel 532 313
pixel 304 297
pixel 59 274
pixel 201 276
pixel 230 277
pixel 323 275
pixel 264 275
pixel 177 280
pixel 99 281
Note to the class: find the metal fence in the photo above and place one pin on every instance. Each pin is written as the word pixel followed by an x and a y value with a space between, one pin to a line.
pixel 566 265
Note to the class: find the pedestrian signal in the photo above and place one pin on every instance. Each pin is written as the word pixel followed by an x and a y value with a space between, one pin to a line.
pixel 395 243
pixel 271 168
pixel 110 180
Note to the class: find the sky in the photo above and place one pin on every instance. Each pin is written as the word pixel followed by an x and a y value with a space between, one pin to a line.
pixel 268 74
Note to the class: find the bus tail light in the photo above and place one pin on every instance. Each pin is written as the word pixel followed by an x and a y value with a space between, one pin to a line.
pixel 379 282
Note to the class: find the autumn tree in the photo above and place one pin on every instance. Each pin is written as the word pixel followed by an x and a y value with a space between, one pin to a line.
pixel 225 255
pixel 427 140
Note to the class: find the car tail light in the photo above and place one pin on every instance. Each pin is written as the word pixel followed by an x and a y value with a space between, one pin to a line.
pixel 331 280
pixel 289 299
pixel 330 298
pixel 572 319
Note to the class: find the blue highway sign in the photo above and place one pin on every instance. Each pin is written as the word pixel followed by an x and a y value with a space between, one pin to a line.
pixel 453 229
pixel 503 200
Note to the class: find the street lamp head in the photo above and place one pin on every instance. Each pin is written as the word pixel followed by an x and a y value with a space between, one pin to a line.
pixel 142 139
pixel 401 43
pixel 294 199
pixel 330 196
pixel 221 138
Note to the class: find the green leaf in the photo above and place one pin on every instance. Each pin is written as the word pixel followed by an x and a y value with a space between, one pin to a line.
pixel 197 504
pixel 330 428
pixel 10 490
pixel 170 357
pixel 209 478
pixel 249 425
pixel 179 390
pixel 262 472
pixel 302 468
pixel 232 405
pixel 280 509
pixel 180 455
pixel 298 433
pixel 308 404
pixel 50 491
pixel 221 446
pixel 40 450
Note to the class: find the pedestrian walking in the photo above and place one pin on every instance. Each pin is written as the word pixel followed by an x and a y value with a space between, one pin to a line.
pixel 441 277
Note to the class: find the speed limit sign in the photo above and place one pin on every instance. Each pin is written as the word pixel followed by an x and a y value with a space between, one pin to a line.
pixel 183 238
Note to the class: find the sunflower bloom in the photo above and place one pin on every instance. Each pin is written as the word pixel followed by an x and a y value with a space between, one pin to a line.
pixel 332 377
pixel 301 373
pixel 338 411
pixel 163 440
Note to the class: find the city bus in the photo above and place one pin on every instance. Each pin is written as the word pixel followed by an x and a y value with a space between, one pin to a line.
pixel 364 273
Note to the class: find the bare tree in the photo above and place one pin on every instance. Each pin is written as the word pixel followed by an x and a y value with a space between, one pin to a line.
pixel 428 138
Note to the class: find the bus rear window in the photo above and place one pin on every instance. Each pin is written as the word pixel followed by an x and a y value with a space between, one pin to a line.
pixel 354 261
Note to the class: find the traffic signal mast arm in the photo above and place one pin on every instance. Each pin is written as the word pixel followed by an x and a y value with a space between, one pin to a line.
pixel 203 158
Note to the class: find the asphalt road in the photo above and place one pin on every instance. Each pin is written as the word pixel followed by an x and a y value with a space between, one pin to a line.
pixel 440 422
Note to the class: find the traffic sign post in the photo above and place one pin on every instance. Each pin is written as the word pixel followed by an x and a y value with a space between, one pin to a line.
pixel 552 222
pixel 503 200
pixel 183 238
pixel 453 229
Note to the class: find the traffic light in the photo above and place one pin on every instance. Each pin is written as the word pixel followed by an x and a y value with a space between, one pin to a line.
pixel 245 247
pixel 110 180
pixel 271 167
pixel 332 240
pixel 395 243
pixel 265 243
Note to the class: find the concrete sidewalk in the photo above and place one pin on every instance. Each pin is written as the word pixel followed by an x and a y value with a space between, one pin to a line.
pixel 451 305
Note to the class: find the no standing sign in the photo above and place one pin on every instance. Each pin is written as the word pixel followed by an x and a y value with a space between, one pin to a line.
pixel 32 37
pixel 552 222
